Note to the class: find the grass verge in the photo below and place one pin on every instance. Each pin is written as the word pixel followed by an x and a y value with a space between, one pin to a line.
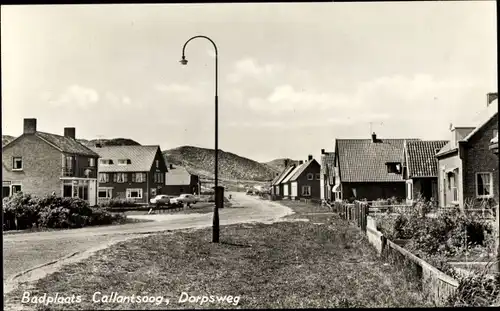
pixel 321 263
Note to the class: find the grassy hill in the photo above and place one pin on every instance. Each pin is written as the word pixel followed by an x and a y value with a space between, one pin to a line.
pixel 201 161
pixel 279 164
pixel 110 142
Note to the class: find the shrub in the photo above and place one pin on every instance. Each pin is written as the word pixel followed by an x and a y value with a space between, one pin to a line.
pixel 118 203
pixel 53 212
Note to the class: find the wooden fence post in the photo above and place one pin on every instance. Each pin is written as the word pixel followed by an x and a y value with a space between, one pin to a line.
pixel 384 244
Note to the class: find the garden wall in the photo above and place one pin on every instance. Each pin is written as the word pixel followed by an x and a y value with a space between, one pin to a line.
pixel 434 282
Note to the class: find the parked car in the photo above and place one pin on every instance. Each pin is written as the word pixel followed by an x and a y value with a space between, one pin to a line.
pixel 185 199
pixel 249 192
pixel 161 199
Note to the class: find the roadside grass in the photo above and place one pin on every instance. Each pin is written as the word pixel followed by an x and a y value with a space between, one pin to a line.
pixel 281 265
pixel 123 221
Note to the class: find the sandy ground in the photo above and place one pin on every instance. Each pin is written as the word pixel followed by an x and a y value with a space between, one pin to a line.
pixel 30 256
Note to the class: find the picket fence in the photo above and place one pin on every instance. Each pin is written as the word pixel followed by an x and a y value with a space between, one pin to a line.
pixel 433 281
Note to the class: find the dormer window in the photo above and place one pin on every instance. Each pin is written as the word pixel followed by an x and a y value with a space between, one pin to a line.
pixel 105 161
pixel 124 161
pixel 394 167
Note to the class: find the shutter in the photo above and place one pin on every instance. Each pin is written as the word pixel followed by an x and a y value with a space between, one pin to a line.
pixel 115 177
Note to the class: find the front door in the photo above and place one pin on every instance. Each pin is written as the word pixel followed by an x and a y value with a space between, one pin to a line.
pixel 5 191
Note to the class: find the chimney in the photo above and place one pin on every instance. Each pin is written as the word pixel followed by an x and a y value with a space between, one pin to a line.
pixel 374 137
pixel 309 158
pixel 29 126
pixel 286 162
pixel 301 162
pixel 171 166
pixel 69 132
pixel 490 97
pixel 322 151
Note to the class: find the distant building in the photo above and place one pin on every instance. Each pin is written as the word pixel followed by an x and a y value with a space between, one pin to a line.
pixel 370 169
pixel 327 179
pixel 303 181
pixel 420 169
pixel 468 169
pixel 131 172
pixel 277 185
pixel 41 163
pixel 180 181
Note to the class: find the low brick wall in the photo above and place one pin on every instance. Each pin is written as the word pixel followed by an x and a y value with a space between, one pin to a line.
pixel 433 281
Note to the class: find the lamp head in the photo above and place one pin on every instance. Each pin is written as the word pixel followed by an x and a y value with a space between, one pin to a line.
pixel 183 61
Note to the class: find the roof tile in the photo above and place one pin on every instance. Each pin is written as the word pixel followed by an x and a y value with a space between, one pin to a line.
pixel 421 157
pixel 361 160
pixel 141 158
pixel 66 144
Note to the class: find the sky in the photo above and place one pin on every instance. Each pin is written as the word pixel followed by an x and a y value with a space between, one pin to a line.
pixel 292 76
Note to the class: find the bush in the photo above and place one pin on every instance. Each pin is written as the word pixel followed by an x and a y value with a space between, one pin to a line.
pixel 118 203
pixel 53 212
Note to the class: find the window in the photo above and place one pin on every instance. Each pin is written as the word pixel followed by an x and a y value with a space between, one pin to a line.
pixel 134 193
pixel 452 185
pixel 139 177
pixel 103 177
pixel 17 163
pixel 106 161
pixel 157 163
pixel 67 191
pixel 91 162
pixel 105 193
pixel 159 178
pixel 16 189
pixel 495 133
pixel 484 185
pixel 306 191
pixel 394 168
pixel 120 177
pixel 354 193
pixel 310 176
pixel 409 191
pixel 318 176
pixel 124 161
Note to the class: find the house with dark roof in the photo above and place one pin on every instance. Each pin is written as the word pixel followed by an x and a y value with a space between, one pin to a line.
pixel 468 170
pixel 42 163
pixel 303 182
pixel 276 184
pixel 180 181
pixel 369 169
pixel 420 169
pixel 327 177
pixel 130 172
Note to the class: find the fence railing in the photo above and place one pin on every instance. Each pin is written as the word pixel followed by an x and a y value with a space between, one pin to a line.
pixel 433 281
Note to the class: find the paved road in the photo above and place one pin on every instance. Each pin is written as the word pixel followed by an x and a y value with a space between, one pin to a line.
pixel 25 251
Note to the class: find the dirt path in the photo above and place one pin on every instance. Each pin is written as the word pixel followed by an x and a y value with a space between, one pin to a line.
pixel 31 256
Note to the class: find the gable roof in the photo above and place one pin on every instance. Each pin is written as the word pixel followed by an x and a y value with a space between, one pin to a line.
pixel 361 160
pixel 421 161
pixel 301 169
pixel 178 176
pixel 290 175
pixel 480 126
pixel 284 174
pixel 61 143
pixel 141 158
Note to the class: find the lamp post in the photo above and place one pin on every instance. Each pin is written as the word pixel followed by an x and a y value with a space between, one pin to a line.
pixel 218 201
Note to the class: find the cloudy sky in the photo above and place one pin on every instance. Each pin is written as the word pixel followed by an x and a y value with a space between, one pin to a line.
pixel 292 77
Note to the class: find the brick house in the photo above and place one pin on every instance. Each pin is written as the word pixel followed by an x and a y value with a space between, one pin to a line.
pixel 40 163
pixel 420 169
pixel 303 181
pixel 327 177
pixel 468 170
pixel 180 181
pixel 130 172
pixel 369 169
pixel 276 183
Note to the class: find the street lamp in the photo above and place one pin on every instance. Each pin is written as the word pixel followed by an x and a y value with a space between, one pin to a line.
pixel 218 200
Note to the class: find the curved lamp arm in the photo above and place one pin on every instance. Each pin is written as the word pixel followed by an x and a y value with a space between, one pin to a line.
pixel 184 61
